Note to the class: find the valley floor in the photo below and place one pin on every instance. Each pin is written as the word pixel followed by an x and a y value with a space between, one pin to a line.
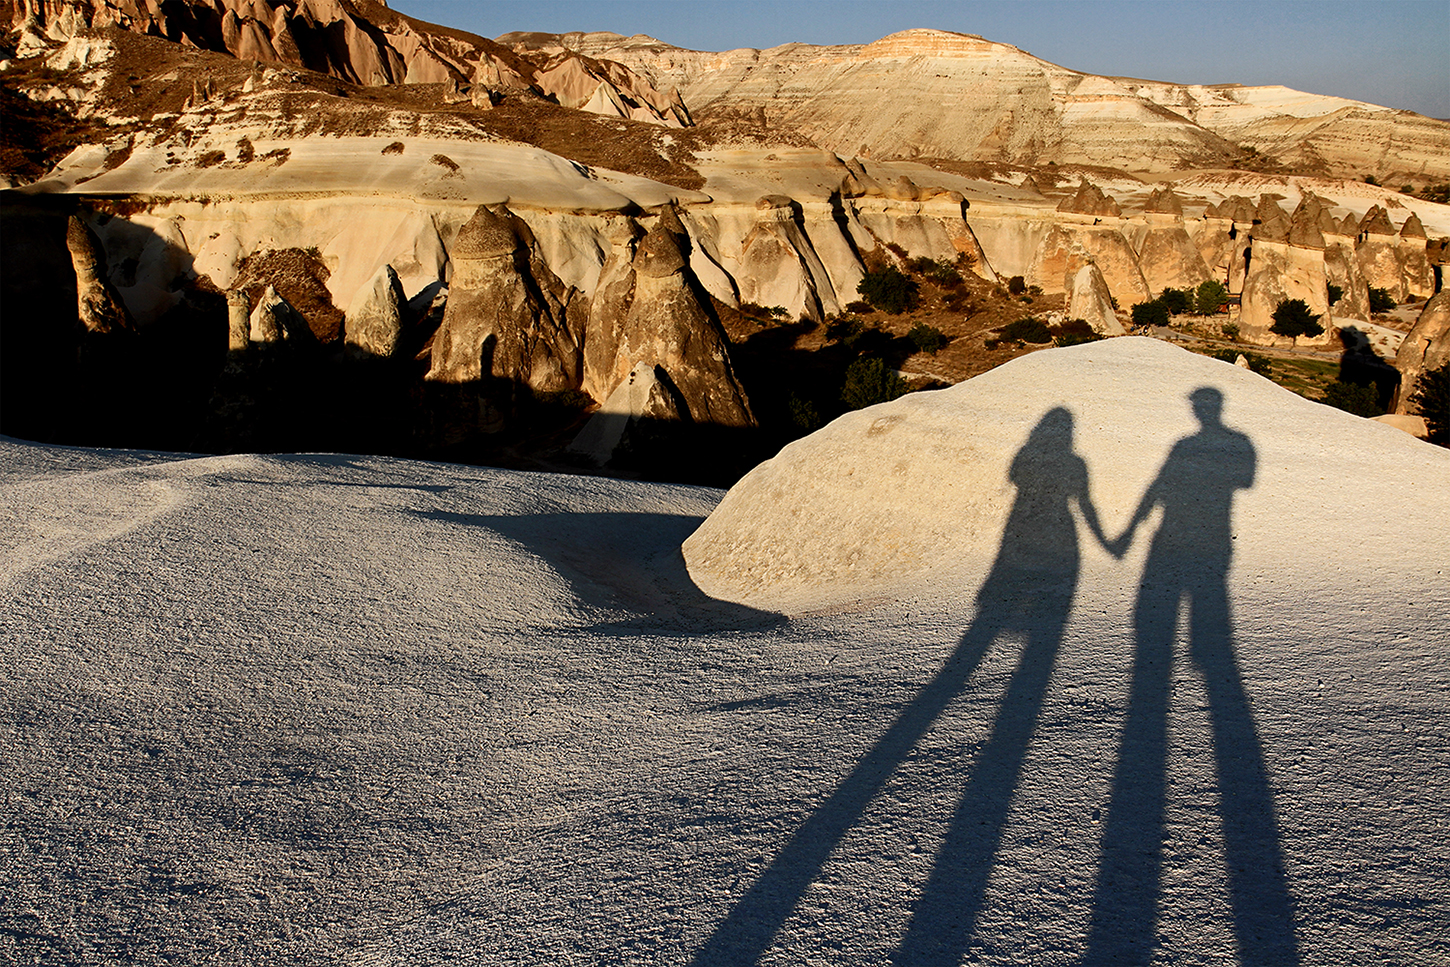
pixel 325 709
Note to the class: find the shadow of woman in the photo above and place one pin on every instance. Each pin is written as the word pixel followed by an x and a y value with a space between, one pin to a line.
pixel 1188 561
pixel 1027 593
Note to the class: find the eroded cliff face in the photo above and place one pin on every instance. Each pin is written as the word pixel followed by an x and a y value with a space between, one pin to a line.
pixel 360 41
pixel 797 241
pixel 501 275
pixel 961 96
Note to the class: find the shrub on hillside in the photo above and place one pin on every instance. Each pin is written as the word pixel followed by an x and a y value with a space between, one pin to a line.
pixel 1030 329
pixel 1257 364
pixel 860 308
pixel 1353 398
pixel 1016 285
pixel 1074 332
pixel 927 339
pixel 1380 300
pixel 841 328
pixel 870 381
pixel 889 290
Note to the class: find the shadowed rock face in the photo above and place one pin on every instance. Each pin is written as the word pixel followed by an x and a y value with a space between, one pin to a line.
pixel 1426 347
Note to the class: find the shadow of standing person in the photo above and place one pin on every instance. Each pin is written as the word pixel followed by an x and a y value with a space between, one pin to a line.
pixel 1028 592
pixel 1188 560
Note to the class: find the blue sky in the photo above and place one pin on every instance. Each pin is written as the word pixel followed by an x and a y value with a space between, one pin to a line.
pixel 1391 52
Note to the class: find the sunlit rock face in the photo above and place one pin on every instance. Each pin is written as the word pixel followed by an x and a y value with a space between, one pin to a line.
pixel 649 311
pixel 1088 299
pixel 1426 347
pixel 505 321
pixel 374 319
pixel 99 307
pixel 960 96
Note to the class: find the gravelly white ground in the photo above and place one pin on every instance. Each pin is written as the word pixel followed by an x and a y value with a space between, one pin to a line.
pixel 324 709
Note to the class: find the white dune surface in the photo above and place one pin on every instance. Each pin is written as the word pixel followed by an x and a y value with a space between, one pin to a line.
pixel 316 709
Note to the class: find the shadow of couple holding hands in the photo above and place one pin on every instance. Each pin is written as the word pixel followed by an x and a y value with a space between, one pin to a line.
pixel 1028 594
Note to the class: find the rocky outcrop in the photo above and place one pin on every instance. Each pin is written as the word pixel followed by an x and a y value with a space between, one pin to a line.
pixel 641 403
pixel 507 327
pixel 1088 299
pixel 1426 347
pixel 1279 271
pixel 373 323
pixel 239 325
pixel 778 265
pixel 364 43
pixel 960 96
pixel 1066 246
pixel 610 89
pixel 1167 255
pixel 274 321
pixel 1414 260
pixel 98 305
pixel 1378 252
pixel 649 309
pixel 1089 199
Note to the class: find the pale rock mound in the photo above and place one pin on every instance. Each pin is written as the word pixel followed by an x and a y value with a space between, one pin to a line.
pixel 918 497
pixel 275 321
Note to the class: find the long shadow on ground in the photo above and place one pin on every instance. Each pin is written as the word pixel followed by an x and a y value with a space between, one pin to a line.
pixel 624 562
pixel 1028 593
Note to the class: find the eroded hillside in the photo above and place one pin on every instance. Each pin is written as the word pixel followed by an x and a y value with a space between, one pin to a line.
pixel 533 255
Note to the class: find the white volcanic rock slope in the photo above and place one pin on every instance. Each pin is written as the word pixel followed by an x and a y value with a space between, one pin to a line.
pixel 311 708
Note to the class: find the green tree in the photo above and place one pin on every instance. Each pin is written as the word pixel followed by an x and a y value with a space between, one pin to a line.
pixel 1353 398
pixel 1150 314
pixel 870 381
pixel 1380 300
pixel 1209 297
pixel 889 290
pixel 1175 299
pixel 1335 293
pixel 1292 318
pixel 1431 400
pixel 1016 285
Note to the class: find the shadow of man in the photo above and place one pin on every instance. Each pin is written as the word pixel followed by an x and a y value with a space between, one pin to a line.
pixel 1188 561
pixel 1028 593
